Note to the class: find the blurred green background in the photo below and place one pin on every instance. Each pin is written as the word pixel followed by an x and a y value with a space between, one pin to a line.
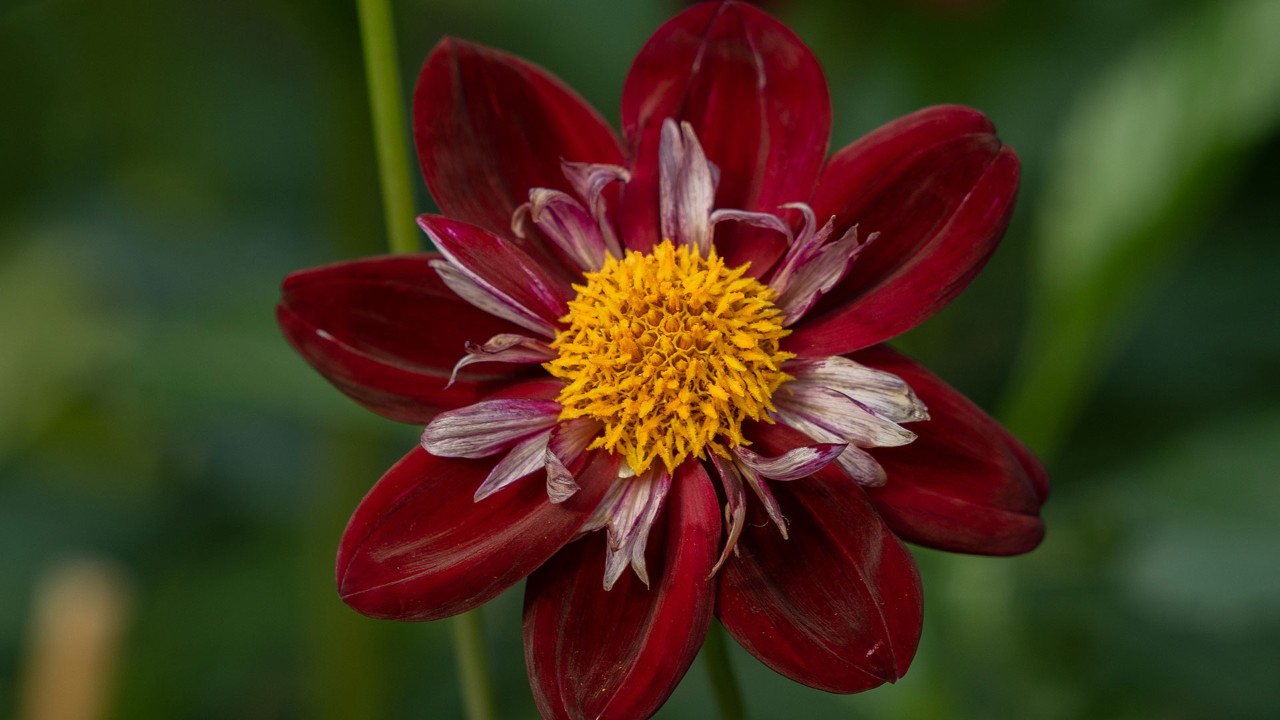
pixel 165 164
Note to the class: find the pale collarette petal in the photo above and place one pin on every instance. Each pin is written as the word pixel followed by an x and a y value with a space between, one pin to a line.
pixel 735 507
pixel 569 225
pixel 589 181
pixel 816 277
pixel 487 427
pixel 561 484
pixel 630 518
pixel 569 439
pixel 490 301
pixel 794 464
pixel 857 463
pixel 884 394
pixel 528 456
pixel 841 415
pixel 505 348
pixel 686 187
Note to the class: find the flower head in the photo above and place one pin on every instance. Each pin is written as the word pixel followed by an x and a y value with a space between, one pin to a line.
pixel 670 352
pixel 652 375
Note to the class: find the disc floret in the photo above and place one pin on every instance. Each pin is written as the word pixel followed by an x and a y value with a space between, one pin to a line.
pixel 671 352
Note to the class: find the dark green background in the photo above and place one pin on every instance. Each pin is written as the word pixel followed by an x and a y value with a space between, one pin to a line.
pixel 163 165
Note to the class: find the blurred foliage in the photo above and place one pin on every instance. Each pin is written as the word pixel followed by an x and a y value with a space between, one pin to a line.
pixel 1144 158
pixel 166 164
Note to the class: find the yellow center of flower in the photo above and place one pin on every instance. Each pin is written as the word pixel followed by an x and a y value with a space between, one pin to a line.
pixel 670 352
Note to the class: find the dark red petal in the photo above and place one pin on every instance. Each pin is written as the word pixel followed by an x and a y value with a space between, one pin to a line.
pixel 500 265
pixel 419 548
pixel 387 332
pixel 756 98
pixel 939 188
pixel 490 126
pixel 619 654
pixel 837 606
pixel 965 484
pixel 536 388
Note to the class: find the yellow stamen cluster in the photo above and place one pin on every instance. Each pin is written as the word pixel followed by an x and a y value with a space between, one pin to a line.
pixel 670 352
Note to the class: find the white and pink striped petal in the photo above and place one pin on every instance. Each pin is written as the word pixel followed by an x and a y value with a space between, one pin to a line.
pixel 628 513
pixel 564 221
pixel 589 181
pixel 561 484
pixel 884 394
pixel 506 348
pixel 501 270
pixel 490 301
pixel 568 441
pixel 488 427
pixel 794 464
pixel 735 506
pixel 841 415
pixel 686 187
pixel 527 456
pixel 732 474
pixel 815 277
pixel 802 249
pixel 853 460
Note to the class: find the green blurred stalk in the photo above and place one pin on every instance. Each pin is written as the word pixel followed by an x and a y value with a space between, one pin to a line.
pixel 715 653
pixel 347 663
pixel 387 108
pixel 473 671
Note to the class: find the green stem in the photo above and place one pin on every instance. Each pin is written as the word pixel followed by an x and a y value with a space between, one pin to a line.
pixel 377 32
pixel 715 653
pixel 387 108
pixel 473 669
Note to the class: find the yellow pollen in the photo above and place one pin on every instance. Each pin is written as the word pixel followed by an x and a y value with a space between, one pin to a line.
pixel 670 352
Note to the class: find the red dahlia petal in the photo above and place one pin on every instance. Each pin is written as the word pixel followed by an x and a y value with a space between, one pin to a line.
pixel 837 606
pixel 419 548
pixel 490 127
pixel 757 99
pixel 387 332
pixel 540 387
pixel 593 653
pixel 939 188
pixel 965 484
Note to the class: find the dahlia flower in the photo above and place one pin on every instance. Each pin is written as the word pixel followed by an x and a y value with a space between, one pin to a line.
pixel 652 372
